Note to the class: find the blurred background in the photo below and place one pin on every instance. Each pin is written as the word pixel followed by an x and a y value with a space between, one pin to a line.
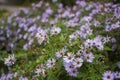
pixel 68 2
pixel 13 5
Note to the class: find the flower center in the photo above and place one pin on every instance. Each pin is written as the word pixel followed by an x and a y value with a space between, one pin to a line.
pixel 108 76
pixel 69 58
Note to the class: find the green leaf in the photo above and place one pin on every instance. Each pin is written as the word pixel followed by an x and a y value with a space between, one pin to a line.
pixel 107 48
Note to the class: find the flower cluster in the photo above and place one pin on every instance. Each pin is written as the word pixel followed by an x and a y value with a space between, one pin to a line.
pixel 83 38
pixel 98 42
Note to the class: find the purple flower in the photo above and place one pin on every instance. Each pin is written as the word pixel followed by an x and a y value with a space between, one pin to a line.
pixel 55 30
pixel 73 72
pixel 51 63
pixel 6 77
pixel 78 62
pixel 117 75
pixel 108 75
pixel 2 38
pixel 81 3
pixel 23 78
pixel 68 66
pixel 113 40
pixel 26 46
pixel 49 11
pixel 60 53
pixel 89 57
pixel 1 31
pixel 118 65
pixel 88 43
pixel 69 57
pixel 117 12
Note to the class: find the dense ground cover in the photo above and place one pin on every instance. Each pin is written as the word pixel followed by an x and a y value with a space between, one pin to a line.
pixel 52 41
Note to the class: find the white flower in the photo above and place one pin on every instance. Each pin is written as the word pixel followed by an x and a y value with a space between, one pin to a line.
pixel 55 30
pixel 10 60
pixel 78 62
pixel 50 63
pixel 69 57
pixel 39 70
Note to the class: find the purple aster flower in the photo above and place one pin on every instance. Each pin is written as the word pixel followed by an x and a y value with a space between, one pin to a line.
pixel 107 28
pixel 68 66
pixel 89 57
pixel 9 76
pixel 118 65
pixel 23 78
pixel 49 11
pixel 108 75
pixel 60 6
pixel 50 63
pixel 60 53
pixel 2 38
pixel 113 40
pixel 117 75
pixel 117 12
pixel 1 31
pixel 26 46
pixel 4 77
pixel 73 72
pixel 81 3
pixel 55 30
pixel 114 47
pixel 69 57
pixel 88 43
pixel 74 8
